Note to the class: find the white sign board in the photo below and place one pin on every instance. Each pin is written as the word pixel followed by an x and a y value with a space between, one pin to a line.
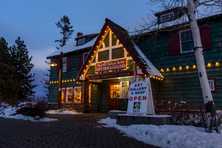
pixel 140 99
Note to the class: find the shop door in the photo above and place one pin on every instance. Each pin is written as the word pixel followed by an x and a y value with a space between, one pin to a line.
pixel 96 96
pixel 114 96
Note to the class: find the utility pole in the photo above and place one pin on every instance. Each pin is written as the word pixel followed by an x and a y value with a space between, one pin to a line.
pixel 198 51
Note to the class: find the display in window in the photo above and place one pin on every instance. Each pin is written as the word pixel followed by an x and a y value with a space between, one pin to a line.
pixel 119 90
pixel 77 95
pixel 115 90
pixel 124 89
pixel 69 95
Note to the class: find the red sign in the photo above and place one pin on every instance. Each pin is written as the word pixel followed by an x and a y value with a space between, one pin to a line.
pixel 111 66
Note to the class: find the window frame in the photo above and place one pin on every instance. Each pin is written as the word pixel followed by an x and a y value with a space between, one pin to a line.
pixel 181 43
pixel 166 17
pixel 64 64
pixel 103 51
pixel 67 95
pixel 110 47
pixel 213 84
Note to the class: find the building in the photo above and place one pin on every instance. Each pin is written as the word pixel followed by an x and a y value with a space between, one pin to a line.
pixel 98 70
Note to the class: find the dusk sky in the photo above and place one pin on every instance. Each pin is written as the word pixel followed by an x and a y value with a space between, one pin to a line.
pixel 34 20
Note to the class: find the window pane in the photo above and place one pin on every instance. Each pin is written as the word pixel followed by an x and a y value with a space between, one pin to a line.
pixel 115 90
pixel 187 41
pixel 106 40
pixel 117 53
pixel 124 89
pixel 77 95
pixel 114 39
pixel 103 55
pixel 188 46
pixel 70 95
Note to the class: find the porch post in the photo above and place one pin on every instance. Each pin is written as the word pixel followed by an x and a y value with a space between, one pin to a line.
pixel 85 95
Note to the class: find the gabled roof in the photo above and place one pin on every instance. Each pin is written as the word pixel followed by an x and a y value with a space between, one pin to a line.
pixel 141 60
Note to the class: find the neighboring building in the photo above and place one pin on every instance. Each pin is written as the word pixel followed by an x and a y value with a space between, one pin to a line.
pixel 98 70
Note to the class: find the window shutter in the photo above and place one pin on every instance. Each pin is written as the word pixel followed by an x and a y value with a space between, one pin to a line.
pixel 69 63
pixel 174 44
pixel 205 36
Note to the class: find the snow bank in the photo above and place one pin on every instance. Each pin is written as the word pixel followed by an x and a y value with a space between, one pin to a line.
pixel 169 136
pixel 9 112
pixel 63 112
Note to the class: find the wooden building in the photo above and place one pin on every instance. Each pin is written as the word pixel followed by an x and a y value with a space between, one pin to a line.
pixel 98 69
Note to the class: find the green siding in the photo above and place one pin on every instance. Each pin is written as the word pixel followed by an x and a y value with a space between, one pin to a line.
pixel 176 85
pixel 70 74
pixel 183 85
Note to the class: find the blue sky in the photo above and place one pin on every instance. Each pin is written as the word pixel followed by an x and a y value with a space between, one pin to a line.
pixel 34 20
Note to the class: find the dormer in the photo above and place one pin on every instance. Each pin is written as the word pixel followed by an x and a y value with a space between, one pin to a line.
pixel 82 39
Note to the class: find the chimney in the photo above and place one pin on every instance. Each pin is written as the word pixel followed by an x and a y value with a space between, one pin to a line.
pixel 79 34
pixel 80 39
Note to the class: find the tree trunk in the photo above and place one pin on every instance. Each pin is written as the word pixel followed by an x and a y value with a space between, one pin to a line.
pixel 59 99
pixel 198 49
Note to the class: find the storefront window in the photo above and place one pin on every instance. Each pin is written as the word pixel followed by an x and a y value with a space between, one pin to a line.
pixel 63 95
pixel 119 90
pixel 115 90
pixel 69 95
pixel 124 89
pixel 77 95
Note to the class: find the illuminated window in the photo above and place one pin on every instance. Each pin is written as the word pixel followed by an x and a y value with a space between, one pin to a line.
pixel 63 95
pixel 119 90
pixel 77 95
pixel 124 89
pixel 69 95
pixel 115 90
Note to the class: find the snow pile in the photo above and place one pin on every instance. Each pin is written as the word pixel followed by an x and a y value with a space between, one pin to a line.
pixel 63 112
pixel 9 112
pixel 169 136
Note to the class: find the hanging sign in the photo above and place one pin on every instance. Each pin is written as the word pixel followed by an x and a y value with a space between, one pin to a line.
pixel 140 99
pixel 111 66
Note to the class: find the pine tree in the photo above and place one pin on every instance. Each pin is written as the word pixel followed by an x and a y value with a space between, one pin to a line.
pixel 22 62
pixel 8 84
pixel 66 30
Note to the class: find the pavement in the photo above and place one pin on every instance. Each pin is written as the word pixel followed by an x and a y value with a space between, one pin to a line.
pixel 70 131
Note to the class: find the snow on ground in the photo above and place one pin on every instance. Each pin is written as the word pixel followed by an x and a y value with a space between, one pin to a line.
pixel 169 136
pixel 9 112
pixel 63 112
